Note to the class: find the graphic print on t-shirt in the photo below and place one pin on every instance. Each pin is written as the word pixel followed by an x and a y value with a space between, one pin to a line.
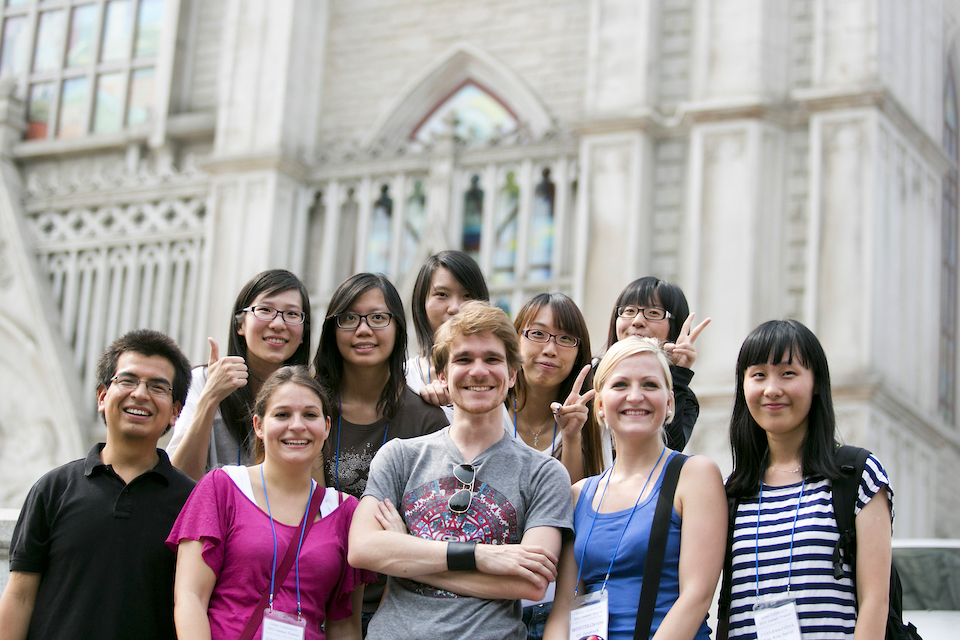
pixel 491 519
pixel 352 468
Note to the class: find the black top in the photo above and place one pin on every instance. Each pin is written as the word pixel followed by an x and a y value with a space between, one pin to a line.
pixel 99 545
pixel 686 412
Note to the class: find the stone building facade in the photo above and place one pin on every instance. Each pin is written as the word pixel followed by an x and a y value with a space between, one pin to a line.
pixel 773 157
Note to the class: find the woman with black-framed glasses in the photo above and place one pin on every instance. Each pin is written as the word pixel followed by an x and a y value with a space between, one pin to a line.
pixel 269 328
pixel 653 308
pixel 548 408
pixel 361 356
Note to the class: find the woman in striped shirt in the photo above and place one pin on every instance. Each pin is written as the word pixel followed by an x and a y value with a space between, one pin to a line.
pixel 783 442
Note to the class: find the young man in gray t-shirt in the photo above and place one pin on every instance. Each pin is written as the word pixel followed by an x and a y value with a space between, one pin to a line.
pixel 466 521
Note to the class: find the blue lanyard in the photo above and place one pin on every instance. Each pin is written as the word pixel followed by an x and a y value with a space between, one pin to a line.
pixel 553 443
pixel 303 527
pixel 793 530
pixel 625 527
pixel 336 458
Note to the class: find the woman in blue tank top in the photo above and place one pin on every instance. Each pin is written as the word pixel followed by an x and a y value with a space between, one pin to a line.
pixel 614 511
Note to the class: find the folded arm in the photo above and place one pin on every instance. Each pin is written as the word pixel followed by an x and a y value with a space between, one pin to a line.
pixel 511 571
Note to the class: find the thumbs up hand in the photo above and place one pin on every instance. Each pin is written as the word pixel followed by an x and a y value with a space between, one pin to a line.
pixel 224 375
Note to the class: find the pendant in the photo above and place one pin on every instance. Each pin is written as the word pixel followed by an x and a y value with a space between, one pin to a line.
pixel 535 440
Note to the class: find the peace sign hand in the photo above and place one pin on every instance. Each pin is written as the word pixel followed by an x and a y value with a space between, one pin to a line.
pixel 683 353
pixel 572 414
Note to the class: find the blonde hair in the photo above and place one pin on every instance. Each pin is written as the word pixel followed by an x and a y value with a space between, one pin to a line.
pixel 475 318
pixel 620 351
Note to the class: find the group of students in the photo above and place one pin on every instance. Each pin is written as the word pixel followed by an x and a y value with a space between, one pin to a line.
pixel 267 542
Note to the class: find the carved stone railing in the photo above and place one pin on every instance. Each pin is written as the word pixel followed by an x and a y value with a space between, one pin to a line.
pixel 121 245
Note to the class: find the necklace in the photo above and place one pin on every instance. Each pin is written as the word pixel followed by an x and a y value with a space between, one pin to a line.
pixel 797 470
pixel 536 434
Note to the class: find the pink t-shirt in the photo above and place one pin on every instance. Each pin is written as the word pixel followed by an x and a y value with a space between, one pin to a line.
pixel 238 546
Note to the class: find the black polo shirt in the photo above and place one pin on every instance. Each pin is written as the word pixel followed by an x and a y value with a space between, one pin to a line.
pixel 99 545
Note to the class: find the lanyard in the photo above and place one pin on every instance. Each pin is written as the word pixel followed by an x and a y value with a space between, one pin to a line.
pixel 625 526
pixel 793 530
pixel 553 443
pixel 303 526
pixel 336 458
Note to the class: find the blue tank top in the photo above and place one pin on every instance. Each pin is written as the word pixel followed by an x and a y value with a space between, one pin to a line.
pixel 626 578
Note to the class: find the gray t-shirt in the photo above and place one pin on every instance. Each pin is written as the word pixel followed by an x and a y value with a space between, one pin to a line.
pixel 516 489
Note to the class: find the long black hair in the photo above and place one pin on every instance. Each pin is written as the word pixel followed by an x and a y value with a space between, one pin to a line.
pixel 328 364
pixel 652 292
pixel 570 321
pixel 774 342
pixel 464 269
pixel 236 408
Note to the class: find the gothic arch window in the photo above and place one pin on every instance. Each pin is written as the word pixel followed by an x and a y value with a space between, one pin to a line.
pixel 467 158
pixel 948 269
pixel 477 115
pixel 84 66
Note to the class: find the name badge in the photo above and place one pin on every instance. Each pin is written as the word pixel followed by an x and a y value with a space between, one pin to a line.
pixel 282 626
pixel 777 620
pixel 589 617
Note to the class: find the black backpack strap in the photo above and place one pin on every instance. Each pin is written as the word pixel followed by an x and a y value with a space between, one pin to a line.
pixel 726 584
pixel 657 547
pixel 851 461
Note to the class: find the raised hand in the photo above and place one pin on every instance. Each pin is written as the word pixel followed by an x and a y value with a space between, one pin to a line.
pixel 224 375
pixel 683 353
pixel 572 414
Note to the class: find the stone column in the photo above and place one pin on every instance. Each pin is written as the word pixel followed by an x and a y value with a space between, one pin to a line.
pixel 271 70
pixel 616 151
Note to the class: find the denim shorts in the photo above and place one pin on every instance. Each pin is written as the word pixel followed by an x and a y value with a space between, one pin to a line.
pixel 535 619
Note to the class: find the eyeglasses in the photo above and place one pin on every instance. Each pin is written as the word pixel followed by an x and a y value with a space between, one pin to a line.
pixel 650 313
pixel 466 474
pixel 375 320
pixel 267 314
pixel 536 335
pixel 154 387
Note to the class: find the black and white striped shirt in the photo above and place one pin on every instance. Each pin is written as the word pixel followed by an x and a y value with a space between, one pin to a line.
pixel 826 606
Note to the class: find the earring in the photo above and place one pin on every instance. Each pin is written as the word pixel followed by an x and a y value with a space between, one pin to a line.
pixel 600 412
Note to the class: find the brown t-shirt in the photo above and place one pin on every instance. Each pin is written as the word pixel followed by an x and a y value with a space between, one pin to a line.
pixel 352 447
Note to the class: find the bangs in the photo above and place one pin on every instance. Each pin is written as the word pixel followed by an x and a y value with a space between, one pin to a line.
pixel 773 343
pixel 642 293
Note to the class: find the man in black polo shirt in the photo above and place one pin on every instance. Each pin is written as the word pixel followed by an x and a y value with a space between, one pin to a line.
pixel 88 558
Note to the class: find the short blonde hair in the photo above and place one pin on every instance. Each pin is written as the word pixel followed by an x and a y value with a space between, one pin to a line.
pixel 620 351
pixel 474 318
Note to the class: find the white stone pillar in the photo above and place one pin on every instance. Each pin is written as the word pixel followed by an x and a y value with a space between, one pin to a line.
pixel 616 171
pixel 271 77
pixel 740 50
pixel 732 261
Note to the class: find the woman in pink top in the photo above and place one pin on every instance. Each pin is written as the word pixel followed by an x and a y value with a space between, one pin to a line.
pixel 238 523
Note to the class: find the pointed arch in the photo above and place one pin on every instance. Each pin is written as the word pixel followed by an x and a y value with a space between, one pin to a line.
pixel 458 66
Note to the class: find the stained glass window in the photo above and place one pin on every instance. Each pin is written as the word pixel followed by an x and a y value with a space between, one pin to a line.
pixel 479 116
pixel 473 218
pixel 378 234
pixel 540 256
pixel 414 226
pixel 505 231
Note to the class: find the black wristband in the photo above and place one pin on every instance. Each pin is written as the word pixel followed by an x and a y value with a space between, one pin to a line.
pixel 461 556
